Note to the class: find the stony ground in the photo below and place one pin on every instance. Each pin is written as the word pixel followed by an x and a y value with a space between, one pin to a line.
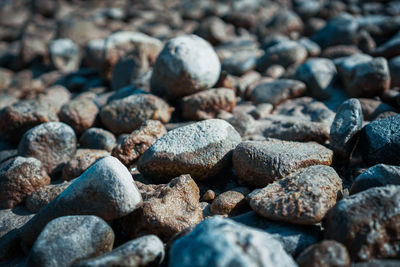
pixel 199 133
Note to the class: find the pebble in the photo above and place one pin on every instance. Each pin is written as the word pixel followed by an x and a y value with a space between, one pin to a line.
pixel 20 177
pixel 277 91
pixel 186 65
pixel 144 251
pixel 390 48
pixel 68 239
pixel 303 197
pixel 230 202
pixel 167 209
pixel 200 149
pixel 223 242
pixel 97 138
pixel 53 143
pixel 207 104
pixel 372 108
pixel 214 30
pixel 65 55
pixel 106 190
pixel 240 63
pixel 259 163
pixel 394 67
pixel 209 196
pixel 366 223
pixel 127 114
pixel 44 195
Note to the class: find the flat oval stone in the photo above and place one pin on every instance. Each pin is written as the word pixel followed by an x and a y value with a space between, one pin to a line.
pixel 277 91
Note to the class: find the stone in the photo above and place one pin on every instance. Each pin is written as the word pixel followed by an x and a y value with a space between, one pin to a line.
pixel 68 239
pixel 380 141
pixel 7 100
pixel 313 49
pixel 97 138
pixel 372 108
pixel 262 111
pixel 243 123
pixel 240 63
pixel 230 202
pixel 186 65
pixel 293 237
pixel 378 175
pixel 65 55
pixel 214 30
pixel 79 30
pixel 303 197
pixel 127 114
pixel 209 195
pixel 259 163
pixel 201 149
pixel 207 104
pixel 82 160
pixel 144 251
pixel 394 67
pixel 389 49
pixel 106 190
pixel 53 143
pixel 345 129
pixel 319 75
pixel 167 210
pixel 79 113
pixel 223 242
pixel 339 51
pixel 285 53
pixel 18 118
pixel 325 253
pixel 20 177
pixel 134 145
pixel 44 195
pixel 277 91
pixel 366 223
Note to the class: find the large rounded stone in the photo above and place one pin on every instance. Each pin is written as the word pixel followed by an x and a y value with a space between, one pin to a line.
pixel 53 143
pixel 68 239
pixel 187 64
pixel 201 149
pixel 258 163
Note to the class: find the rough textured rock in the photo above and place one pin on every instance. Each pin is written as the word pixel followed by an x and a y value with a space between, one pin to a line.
pixel 82 160
pixel 206 104
pixel 68 239
pixel 20 177
pixel 200 149
pixel 97 138
pixel 302 197
pixel 277 91
pixel 325 253
pixel 187 64
pixel 167 209
pixel 53 143
pixel 127 114
pixel 345 129
pixel 144 251
pixel 378 175
pixel 79 113
pixel 223 242
pixel 380 141
pixel 106 190
pixel 258 163
pixel 134 145
pixel 44 196
pixel 367 223
pixel 230 202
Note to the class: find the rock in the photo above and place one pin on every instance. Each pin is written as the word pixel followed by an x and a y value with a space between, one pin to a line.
pixel 372 108
pixel 294 238
pixel 339 51
pixel 283 21
pixel 230 202
pixel 65 55
pixel 127 114
pixel 378 175
pixel 240 63
pixel 206 104
pixel 167 210
pixel 79 30
pixel 303 197
pixel 325 253
pixel 285 53
pixel 201 149
pixel 223 242
pixel 68 239
pixel 53 143
pixel 134 145
pixel 243 123
pixel 313 49
pixel 345 129
pixel 318 74
pixel 377 263
pixel 277 91
pixel 44 195
pixel 394 67
pixel 209 195
pixel 20 177
pixel 144 251
pixel 214 30
pixel 187 64
pixel 262 111
pixel 82 160
pixel 389 49
pixel 380 141
pixel 97 138
pixel 79 113
pixel 18 118
pixel 366 223
pixel 7 99
pixel 259 163
pixel 106 190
